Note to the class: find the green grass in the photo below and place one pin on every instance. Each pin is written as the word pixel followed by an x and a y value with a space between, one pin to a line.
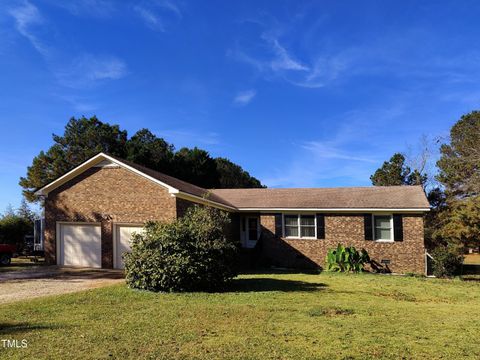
pixel 263 316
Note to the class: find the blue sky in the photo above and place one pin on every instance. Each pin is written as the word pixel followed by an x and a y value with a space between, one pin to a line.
pixel 300 93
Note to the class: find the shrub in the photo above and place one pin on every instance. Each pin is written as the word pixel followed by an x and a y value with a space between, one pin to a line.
pixel 447 261
pixel 192 253
pixel 345 259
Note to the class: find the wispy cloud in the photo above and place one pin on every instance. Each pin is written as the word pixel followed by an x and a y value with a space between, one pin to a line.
pixel 157 14
pixel 26 17
pixel 328 150
pixel 244 97
pixel 282 59
pixel 150 18
pixel 88 70
pixel 84 71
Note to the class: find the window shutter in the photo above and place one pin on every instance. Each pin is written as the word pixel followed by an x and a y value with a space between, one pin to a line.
pixel 367 224
pixel 320 226
pixel 278 225
pixel 397 227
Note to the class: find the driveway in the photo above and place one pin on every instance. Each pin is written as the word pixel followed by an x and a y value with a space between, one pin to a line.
pixel 51 280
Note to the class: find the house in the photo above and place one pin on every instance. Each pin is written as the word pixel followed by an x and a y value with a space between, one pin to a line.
pixel 91 212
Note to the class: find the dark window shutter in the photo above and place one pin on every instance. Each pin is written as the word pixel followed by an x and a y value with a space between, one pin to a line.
pixel 320 226
pixel 278 225
pixel 367 224
pixel 397 227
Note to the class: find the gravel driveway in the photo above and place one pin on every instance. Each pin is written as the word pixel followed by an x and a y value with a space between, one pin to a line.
pixel 51 280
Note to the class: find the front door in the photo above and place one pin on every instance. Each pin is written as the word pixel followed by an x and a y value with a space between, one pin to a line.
pixel 251 231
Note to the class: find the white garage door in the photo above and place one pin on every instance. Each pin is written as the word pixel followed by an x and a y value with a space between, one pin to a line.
pixel 123 236
pixel 80 245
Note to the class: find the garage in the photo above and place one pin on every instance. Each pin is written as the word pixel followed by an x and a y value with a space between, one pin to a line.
pixel 80 245
pixel 122 240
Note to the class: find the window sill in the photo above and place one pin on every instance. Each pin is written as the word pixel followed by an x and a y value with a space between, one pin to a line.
pixel 384 241
pixel 300 238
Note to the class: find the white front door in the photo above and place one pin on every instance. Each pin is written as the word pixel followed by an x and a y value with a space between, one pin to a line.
pixel 252 231
pixel 80 245
pixel 123 237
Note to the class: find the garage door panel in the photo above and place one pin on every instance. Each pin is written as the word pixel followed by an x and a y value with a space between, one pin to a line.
pixel 81 245
pixel 123 241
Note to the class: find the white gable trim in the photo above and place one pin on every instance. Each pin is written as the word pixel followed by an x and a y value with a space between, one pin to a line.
pixel 97 159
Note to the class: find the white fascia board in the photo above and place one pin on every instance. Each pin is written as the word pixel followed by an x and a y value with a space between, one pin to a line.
pixel 92 162
pixel 346 210
pixel 70 175
pixel 201 200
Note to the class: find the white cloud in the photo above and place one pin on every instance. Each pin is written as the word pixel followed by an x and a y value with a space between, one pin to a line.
pixel 283 60
pixel 156 14
pixel 27 16
pixel 244 97
pixel 328 150
pixel 150 18
pixel 89 69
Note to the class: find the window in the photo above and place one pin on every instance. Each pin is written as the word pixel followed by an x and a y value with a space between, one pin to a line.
pixel 383 227
pixel 291 225
pixel 300 226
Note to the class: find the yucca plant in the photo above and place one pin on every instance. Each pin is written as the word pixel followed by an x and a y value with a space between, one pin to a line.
pixel 346 259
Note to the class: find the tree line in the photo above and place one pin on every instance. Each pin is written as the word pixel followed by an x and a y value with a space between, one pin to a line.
pixel 86 137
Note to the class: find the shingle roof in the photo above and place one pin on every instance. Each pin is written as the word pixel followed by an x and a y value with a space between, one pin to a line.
pixel 375 197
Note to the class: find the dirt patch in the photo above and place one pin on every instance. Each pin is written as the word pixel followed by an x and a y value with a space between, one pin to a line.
pixel 51 280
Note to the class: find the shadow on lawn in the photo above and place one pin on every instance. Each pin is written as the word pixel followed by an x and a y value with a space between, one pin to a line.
pixel 269 284
pixel 9 329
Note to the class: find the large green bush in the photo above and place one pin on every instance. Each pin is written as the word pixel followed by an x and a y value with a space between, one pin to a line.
pixel 190 254
pixel 447 261
pixel 346 259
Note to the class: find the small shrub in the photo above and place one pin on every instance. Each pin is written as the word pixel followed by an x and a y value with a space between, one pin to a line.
pixel 447 261
pixel 346 259
pixel 192 253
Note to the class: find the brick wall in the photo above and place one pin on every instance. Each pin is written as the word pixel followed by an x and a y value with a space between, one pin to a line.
pixel 107 196
pixel 404 256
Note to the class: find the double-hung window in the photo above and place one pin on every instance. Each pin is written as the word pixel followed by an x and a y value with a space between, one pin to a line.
pixel 300 226
pixel 383 227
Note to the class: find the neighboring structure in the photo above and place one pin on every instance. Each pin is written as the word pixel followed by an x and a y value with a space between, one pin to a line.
pixel 91 212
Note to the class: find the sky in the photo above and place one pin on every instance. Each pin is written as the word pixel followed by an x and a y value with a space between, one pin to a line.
pixel 299 93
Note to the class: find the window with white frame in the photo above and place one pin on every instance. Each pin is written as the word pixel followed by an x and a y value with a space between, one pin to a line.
pixel 383 227
pixel 300 226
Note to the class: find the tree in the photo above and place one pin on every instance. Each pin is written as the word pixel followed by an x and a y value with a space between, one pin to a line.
pixel 147 149
pixel 459 222
pixel 197 167
pixel 396 172
pixel 233 176
pixel 459 163
pixel 82 139
pixel 14 225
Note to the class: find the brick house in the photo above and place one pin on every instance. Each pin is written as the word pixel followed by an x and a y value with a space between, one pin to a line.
pixel 91 212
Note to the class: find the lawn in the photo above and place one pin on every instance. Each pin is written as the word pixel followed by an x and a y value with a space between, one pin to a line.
pixel 263 316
